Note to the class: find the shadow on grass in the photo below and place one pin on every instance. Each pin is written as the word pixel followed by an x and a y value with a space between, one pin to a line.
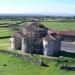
pixel 67 54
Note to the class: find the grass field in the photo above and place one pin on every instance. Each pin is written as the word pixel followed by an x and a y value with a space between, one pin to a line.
pixel 60 25
pixel 4 44
pixel 16 66
pixel 4 32
pixel 9 21
pixel 3 41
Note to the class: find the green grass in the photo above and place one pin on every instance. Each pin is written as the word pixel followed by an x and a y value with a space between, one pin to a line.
pixel 5 32
pixel 17 66
pixel 9 21
pixel 4 44
pixel 3 41
pixel 5 47
pixel 60 25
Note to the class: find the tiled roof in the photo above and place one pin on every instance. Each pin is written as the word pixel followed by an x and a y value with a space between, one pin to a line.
pixel 70 33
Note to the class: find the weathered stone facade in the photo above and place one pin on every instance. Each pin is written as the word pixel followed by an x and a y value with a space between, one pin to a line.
pixel 51 45
pixel 16 42
pixel 35 38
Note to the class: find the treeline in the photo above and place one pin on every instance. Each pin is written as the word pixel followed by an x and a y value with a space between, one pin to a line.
pixel 25 18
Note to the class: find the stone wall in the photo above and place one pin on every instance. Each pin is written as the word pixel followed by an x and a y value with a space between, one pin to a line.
pixel 16 42
pixel 51 47
pixel 24 45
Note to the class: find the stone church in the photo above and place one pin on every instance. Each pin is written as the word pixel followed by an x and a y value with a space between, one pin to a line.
pixel 35 38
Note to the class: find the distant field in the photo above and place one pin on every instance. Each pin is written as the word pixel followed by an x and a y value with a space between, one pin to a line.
pixel 60 25
pixel 3 41
pixel 4 44
pixel 8 21
pixel 4 32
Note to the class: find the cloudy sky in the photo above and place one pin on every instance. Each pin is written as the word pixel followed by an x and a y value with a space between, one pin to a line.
pixel 37 6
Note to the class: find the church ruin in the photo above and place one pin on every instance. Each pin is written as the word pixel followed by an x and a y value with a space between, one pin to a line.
pixel 37 39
